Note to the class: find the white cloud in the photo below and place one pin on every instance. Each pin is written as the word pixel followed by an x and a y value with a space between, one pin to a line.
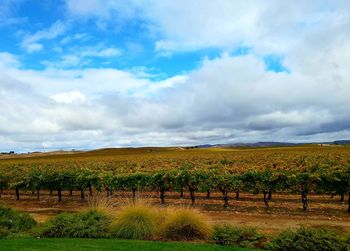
pixel 91 81
pixel 72 38
pixel 82 56
pixel 268 26
pixel 93 52
pixel 173 82
pixel 31 43
pixel 70 60
pixel 69 97
pixel 34 47
pixel 8 60
pixel 222 101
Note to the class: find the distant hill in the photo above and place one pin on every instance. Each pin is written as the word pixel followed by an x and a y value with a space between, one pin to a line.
pixel 259 144
pixel 270 144
pixel 341 142
pixel 256 144
pixel 147 150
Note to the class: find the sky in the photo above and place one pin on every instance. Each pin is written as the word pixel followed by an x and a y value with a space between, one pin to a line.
pixel 85 74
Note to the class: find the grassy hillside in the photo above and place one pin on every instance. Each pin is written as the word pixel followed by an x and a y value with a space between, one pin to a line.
pixel 166 152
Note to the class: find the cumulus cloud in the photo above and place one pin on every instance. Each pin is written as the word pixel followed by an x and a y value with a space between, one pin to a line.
pixel 69 97
pixel 268 26
pixel 8 60
pixel 229 98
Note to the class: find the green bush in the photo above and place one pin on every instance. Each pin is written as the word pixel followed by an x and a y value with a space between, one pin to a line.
pixel 228 235
pixel 135 222
pixel 347 240
pixel 308 239
pixel 12 221
pixel 186 224
pixel 89 224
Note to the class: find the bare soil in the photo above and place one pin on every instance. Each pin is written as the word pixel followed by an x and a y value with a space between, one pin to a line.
pixel 285 210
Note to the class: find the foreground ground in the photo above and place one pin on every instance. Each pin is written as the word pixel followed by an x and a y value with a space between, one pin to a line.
pixel 285 210
pixel 105 244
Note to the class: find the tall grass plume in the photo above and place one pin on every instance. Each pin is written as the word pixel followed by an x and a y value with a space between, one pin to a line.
pixel 135 221
pixel 186 224
pixel 101 204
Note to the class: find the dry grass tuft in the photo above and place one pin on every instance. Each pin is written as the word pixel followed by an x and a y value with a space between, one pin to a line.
pixel 186 224
pixel 135 221
pixel 101 204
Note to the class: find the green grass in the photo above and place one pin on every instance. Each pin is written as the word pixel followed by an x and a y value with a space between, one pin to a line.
pixel 105 244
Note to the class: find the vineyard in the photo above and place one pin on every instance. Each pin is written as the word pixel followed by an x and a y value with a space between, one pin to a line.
pixel 300 170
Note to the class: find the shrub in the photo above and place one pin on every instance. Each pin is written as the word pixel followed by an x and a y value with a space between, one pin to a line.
pixel 228 235
pixel 135 222
pixel 346 240
pixel 186 224
pixel 81 225
pixel 12 221
pixel 308 239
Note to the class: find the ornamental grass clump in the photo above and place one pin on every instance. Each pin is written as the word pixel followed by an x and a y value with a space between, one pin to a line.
pixel 137 221
pixel 101 204
pixel 186 224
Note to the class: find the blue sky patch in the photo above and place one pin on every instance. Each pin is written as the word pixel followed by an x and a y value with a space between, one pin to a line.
pixel 275 63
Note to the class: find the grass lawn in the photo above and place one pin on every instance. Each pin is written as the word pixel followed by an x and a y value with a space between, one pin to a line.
pixel 57 244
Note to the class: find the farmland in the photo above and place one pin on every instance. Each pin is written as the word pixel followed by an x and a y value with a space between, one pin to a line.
pixel 270 188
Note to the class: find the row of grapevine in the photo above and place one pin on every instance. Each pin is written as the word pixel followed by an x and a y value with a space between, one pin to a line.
pixel 316 178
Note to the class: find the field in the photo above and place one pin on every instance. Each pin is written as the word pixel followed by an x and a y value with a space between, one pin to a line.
pixel 274 184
